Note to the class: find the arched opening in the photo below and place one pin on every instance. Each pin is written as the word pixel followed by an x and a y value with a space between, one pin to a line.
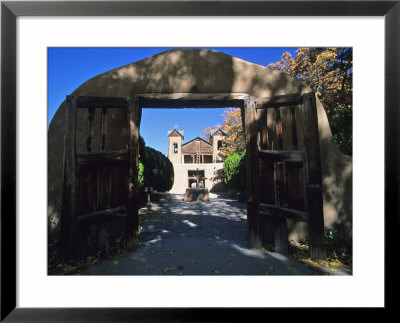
pixel 267 217
pixel 219 144
pixel 275 146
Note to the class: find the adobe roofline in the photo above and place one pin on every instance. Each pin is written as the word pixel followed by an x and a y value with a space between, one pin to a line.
pixel 195 139
pixel 219 129
pixel 176 132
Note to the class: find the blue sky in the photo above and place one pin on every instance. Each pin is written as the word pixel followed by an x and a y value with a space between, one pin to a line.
pixel 69 67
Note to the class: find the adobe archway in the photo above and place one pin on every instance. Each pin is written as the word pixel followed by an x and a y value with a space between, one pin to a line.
pixel 200 72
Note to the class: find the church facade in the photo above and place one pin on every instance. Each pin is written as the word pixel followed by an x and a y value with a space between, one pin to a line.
pixel 195 162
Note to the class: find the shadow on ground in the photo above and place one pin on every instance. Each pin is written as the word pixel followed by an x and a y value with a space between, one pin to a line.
pixel 197 238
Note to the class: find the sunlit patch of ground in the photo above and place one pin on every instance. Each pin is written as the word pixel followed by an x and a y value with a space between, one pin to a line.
pixel 332 265
pixel 197 238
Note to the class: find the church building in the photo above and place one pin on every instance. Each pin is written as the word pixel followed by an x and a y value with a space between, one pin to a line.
pixel 195 162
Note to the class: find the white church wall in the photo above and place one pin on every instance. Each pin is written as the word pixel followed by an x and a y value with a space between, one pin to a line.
pixel 181 175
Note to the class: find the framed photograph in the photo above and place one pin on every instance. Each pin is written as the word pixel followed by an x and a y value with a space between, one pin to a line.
pixel 29 28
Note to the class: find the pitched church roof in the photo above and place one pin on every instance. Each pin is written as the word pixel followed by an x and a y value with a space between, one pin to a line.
pixel 197 145
pixel 175 133
pixel 220 131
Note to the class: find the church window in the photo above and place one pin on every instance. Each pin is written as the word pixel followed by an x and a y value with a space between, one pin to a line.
pixel 219 145
pixel 175 147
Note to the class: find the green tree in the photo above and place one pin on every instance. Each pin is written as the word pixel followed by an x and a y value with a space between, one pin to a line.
pixel 154 169
pixel 142 153
pixel 234 171
pixel 141 176
pixel 158 170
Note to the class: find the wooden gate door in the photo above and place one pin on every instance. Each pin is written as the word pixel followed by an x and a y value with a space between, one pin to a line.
pixel 100 196
pixel 283 183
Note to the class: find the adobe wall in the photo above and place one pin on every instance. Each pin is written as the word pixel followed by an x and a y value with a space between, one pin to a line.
pixel 200 71
pixel 175 157
pixel 216 153
pixel 181 175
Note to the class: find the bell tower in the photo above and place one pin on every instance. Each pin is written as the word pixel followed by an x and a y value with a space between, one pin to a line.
pixel 175 139
pixel 218 139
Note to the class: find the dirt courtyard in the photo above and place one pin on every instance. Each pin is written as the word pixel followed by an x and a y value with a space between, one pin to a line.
pixel 197 238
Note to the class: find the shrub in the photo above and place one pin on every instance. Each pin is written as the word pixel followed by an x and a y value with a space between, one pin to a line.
pixel 142 196
pixel 158 170
pixel 141 176
pixel 234 171
pixel 339 243
pixel 142 146
pixel 154 169
pixel 340 121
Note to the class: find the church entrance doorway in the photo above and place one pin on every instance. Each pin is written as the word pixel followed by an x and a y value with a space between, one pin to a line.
pixel 196 178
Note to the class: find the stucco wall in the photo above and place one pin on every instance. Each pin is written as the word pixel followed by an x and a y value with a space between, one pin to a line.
pixel 199 71
pixel 175 157
pixel 216 152
pixel 181 175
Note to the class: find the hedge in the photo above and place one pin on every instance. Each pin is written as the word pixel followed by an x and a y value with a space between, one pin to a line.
pixel 234 171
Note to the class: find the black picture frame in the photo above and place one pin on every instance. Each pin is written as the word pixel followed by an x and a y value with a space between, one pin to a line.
pixel 10 10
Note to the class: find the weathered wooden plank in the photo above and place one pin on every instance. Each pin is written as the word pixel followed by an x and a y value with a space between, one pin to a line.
pixel 119 189
pixel 311 139
pixel 102 239
pixel 296 191
pixel 253 217
pixel 263 130
pixel 281 155
pixel 271 210
pixel 104 188
pixel 266 182
pixel 188 103
pixel 243 115
pixel 251 150
pixel 134 116
pixel 185 100
pixel 278 101
pixel 314 178
pixel 117 211
pixel 193 96
pixel 281 236
pixel 70 184
pixel 294 127
pixel 104 115
pixel 253 226
pixel 278 129
pixel 102 102
pixel 266 179
pixel 280 184
pixel 87 189
pixel 316 223
pixel 115 155
pixel 90 130
pixel 281 200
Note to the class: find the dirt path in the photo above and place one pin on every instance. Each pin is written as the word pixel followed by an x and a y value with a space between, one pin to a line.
pixel 180 238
